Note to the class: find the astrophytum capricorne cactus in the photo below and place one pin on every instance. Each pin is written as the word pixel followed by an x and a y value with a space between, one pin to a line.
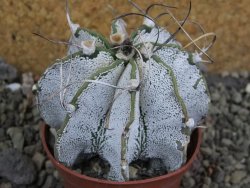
pixel 136 97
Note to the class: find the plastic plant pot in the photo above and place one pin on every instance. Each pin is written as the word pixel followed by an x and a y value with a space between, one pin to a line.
pixel 72 179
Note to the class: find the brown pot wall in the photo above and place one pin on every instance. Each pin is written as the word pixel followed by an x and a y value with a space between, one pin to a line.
pixel 172 180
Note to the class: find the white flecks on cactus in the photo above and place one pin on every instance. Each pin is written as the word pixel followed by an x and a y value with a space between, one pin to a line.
pixel 92 103
pixel 140 99
pixel 78 68
pixel 123 129
pixel 162 116
pixel 191 84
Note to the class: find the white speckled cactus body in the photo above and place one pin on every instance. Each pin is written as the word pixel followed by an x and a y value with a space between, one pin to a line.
pixel 128 99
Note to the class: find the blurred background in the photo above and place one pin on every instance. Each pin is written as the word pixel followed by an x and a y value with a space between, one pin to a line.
pixel 18 19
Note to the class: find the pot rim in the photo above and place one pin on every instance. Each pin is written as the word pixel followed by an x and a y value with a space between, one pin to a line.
pixel 177 172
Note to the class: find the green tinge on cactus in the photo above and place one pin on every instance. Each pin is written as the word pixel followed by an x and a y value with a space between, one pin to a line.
pixel 142 106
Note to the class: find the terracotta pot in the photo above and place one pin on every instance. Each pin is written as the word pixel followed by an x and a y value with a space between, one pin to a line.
pixel 72 179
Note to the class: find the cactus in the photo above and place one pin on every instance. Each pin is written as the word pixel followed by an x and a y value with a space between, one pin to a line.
pixel 136 97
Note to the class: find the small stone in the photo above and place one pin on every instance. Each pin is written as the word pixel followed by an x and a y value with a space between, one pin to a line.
pixel 59 185
pixel 237 97
pixel 17 138
pixel 49 167
pixel 227 178
pixel 207 151
pixel 29 134
pixel 7 72
pixel 3 146
pixel 5 185
pixel 237 176
pixel 248 88
pixel 30 150
pixel 39 159
pixel 218 175
pixel 235 108
pixel 214 185
pixel 226 142
pixel 56 174
pixel 78 170
pixel 13 87
pixel 16 167
pixel 2 134
pixel 205 186
pixel 95 166
pixel 49 182
pixel 225 74
pixel 133 172
pixel 207 180
pixel 41 178
pixel 189 182
pixel 239 166
pixel 244 74
pixel 248 164
pixel 206 163
pixel 215 96
pixel 235 74
pixel 27 84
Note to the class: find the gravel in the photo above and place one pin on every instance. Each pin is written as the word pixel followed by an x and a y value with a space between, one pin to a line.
pixel 223 160
pixel 16 167
pixel 224 157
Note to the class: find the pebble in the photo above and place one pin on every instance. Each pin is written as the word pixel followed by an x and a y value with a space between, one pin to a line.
pixel 3 146
pixel 49 182
pixel 189 182
pixel 49 167
pixel 13 87
pixel 248 88
pixel 248 165
pixel 29 134
pixel 5 185
pixel 133 172
pixel 237 176
pixel 207 180
pixel 207 151
pixel 17 138
pixel 219 175
pixel 30 149
pixel 7 71
pixel 16 167
pixel 205 186
pixel 237 97
pixel 39 160
pixel 226 142
pixel 41 178
pixel 56 174
pixel 244 74
pixel 2 134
